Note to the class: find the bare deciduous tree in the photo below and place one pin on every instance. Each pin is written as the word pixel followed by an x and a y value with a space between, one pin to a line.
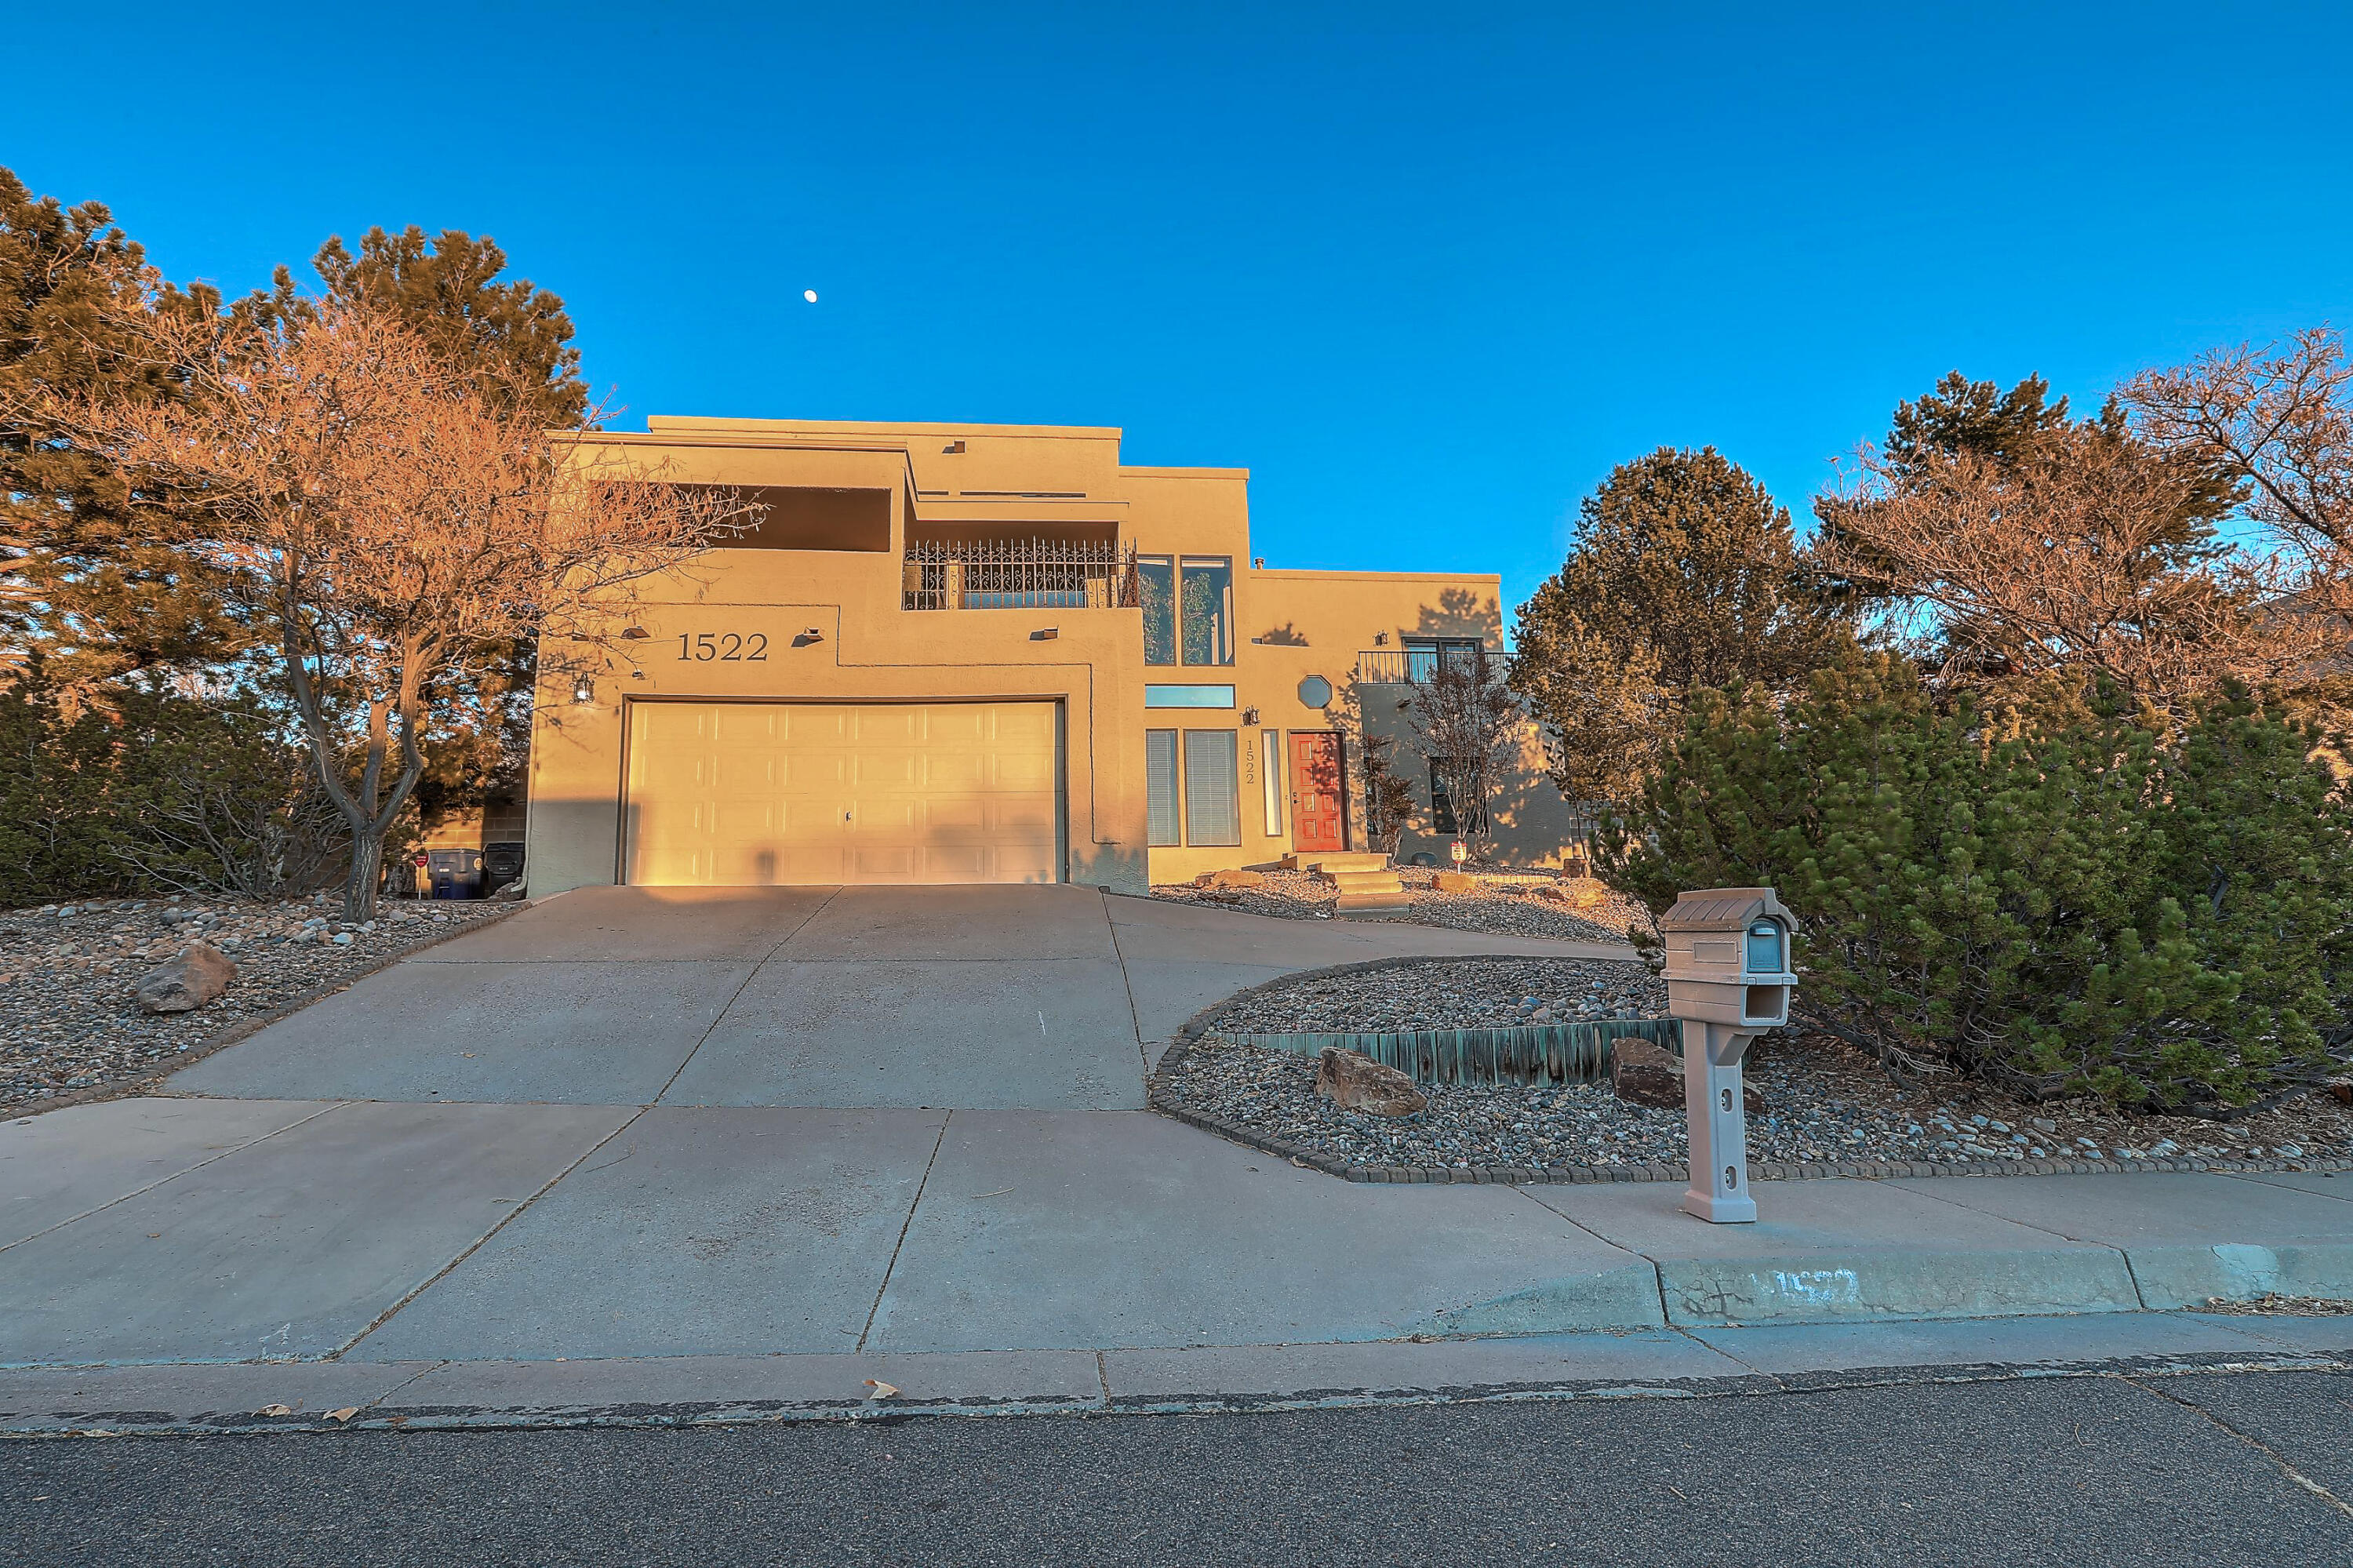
pixel 2074 559
pixel 383 530
pixel 1467 723
pixel 2282 418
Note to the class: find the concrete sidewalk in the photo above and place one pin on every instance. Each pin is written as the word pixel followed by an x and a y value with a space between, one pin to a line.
pixel 179 1231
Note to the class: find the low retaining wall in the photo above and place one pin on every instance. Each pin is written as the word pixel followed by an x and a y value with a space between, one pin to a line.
pixel 1539 1055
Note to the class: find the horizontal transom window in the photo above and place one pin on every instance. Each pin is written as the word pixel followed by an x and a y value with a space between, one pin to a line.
pixel 1189 696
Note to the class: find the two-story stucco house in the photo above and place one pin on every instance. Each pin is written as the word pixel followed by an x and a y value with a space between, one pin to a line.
pixel 989 653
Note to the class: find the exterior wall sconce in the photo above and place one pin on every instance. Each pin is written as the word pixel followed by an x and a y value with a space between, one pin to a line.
pixel 1045 634
pixel 952 448
pixel 814 634
pixel 1250 715
pixel 636 634
pixel 1380 638
pixel 584 689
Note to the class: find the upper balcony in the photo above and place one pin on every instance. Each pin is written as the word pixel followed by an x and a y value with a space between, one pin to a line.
pixel 1017 573
pixel 1412 667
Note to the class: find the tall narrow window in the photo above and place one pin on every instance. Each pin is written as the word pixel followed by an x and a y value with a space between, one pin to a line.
pixel 1441 805
pixel 1449 816
pixel 1213 806
pixel 1206 612
pixel 1155 590
pixel 1160 788
pixel 1273 775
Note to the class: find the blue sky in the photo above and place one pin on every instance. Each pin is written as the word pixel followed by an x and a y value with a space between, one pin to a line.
pixel 1429 272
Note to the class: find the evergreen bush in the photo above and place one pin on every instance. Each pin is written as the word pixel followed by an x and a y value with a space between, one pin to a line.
pixel 156 791
pixel 2063 898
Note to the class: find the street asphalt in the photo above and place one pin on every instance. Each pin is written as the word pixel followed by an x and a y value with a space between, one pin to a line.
pixel 2142 1470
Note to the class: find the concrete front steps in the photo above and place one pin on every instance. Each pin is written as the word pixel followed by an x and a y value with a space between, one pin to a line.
pixel 1367 884
pixel 1333 860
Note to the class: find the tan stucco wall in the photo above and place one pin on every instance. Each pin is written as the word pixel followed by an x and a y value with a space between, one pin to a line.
pixel 867 647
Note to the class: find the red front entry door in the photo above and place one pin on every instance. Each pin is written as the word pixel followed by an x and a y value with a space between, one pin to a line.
pixel 1318 812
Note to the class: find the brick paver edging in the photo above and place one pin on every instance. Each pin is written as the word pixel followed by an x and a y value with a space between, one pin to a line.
pixel 1161 1098
pixel 247 1027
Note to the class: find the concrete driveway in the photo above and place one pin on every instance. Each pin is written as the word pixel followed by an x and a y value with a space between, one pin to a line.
pixel 953 998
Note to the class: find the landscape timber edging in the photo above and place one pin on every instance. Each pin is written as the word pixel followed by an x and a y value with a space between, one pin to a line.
pixel 247 1027
pixel 1161 1099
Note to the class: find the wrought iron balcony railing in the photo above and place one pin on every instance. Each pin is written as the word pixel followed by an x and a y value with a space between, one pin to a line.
pixel 1017 573
pixel 1416 666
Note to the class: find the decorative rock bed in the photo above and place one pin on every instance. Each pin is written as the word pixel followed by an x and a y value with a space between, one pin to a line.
pixel 1826 1108
pixel 72 1025
pixel 1515 904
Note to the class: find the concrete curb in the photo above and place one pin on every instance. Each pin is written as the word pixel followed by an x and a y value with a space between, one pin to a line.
pixel 247 1028
pixel 1897 1283
pixel 1160 1098
pixel 335 1396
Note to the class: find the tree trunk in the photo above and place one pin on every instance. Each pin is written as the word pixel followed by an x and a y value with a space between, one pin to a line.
pixel 368 870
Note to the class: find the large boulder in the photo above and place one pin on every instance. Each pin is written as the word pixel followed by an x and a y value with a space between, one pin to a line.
pixel 1648 1074
pixel 1232 879
pixel 1355 1082
pixel 1456 881
pixel 196 977
pixel 1581 893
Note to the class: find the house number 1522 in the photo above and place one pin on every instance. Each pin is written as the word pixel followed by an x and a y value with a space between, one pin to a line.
pixel 725 647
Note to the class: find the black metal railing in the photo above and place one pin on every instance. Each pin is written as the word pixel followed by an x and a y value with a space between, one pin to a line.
pixel 1417 666
pixel 1017 573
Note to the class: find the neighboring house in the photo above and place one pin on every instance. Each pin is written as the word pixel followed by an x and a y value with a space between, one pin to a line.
pixel 986 653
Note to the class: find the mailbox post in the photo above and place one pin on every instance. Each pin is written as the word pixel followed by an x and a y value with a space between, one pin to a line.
pixel 1728 981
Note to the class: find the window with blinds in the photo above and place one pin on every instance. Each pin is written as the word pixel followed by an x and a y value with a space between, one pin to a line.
pixel 1160 786
pixel 1273 777
pixel 1213 808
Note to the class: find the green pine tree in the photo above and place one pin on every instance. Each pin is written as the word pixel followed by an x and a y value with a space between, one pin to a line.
pixel 1684 573
pixel 513 334
pixel 96 597
pixel 2063 898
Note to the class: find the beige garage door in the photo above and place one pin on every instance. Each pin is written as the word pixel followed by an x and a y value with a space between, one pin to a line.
pixel 754 793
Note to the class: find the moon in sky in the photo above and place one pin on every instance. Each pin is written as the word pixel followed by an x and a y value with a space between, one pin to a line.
pixel 809 294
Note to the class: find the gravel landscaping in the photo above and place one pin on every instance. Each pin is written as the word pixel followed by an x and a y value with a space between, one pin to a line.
pixel 1508 903
pixel 70 1028
pixel 2277 1305
pixel 1824 1102
pixel 1448 993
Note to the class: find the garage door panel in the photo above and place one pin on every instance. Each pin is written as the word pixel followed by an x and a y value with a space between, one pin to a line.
pixel 880 863
pixel 1023 863
pixel 955 816
pixel 730 794
pixel 1032 722
pixel 968 772
pixel 885 725
pixel 747 726
pixel 887 770
pixel 1019 773
pixel 883 822
pixel 1027 819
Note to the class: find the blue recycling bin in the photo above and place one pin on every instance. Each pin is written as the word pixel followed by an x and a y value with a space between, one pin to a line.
pixel 456 873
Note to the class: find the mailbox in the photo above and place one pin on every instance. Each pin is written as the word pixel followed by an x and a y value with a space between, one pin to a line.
pixel 1728 957
pixel 1728 981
